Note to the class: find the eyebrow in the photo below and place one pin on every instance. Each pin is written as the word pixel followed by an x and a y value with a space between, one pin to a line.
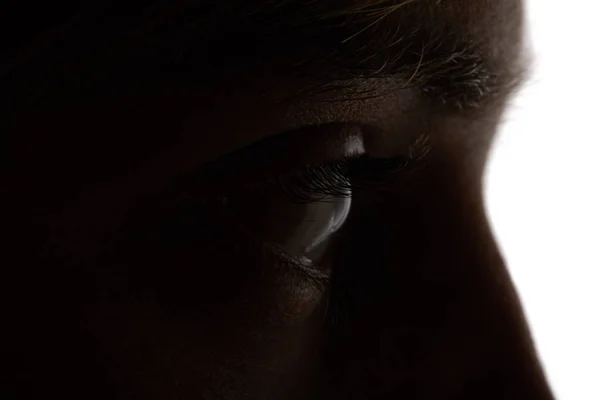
pixel 333 42
pixel 338 42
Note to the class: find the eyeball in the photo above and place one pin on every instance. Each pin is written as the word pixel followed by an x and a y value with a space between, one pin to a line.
pixel 319 221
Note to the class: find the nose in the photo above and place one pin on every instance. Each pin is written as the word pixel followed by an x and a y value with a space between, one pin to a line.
pixel 422 305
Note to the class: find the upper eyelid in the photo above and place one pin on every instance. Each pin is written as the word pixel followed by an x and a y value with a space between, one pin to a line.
pixel 284 153
pixel 235 172
pixel 308 184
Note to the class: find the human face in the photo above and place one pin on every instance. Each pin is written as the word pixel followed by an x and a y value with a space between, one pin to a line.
pixel 154 262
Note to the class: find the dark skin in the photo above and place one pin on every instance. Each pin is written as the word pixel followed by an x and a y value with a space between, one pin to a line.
pixel 412 301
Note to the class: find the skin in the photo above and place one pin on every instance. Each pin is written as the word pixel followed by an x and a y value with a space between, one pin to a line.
pixel 419 304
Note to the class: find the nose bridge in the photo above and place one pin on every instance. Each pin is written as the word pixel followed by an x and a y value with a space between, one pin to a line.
pixel 430 309
pixel 482 347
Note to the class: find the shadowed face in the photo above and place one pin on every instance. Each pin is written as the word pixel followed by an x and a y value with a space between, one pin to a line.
pixel 263 200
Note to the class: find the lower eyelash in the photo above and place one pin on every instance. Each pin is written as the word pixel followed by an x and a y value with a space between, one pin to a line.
pixel 305 268
pixel 301 266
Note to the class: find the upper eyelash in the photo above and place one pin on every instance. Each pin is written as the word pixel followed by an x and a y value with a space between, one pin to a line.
pixel 316 183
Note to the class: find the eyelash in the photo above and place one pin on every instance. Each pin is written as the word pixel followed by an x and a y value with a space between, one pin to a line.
pixel 315 183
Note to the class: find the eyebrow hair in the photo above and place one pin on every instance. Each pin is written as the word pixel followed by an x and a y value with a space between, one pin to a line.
pixel 445 64
pixel 332 42
pixel 339 41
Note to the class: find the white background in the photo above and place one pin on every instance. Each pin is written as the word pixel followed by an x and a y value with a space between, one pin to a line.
pixel 543 193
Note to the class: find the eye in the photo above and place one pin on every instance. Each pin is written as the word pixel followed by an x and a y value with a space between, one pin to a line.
pixel 299 213
pixel 266 200
pixel 301 226
pixel 321 221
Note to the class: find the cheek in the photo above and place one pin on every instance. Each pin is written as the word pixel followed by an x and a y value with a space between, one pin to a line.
pixel 214 267
pixel 192 257
pixel 208 313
